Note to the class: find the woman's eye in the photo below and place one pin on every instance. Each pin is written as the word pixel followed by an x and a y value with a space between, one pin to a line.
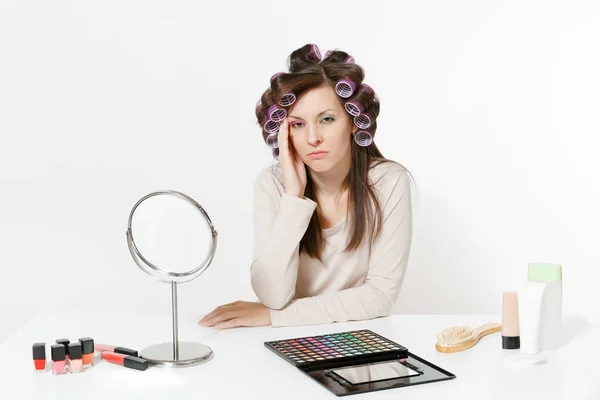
pixel 326 119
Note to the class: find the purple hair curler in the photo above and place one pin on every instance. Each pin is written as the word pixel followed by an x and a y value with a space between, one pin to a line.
pixel 344 88
pixel 368 89
pixel 314 52
pixel 276 114
pixel 276 75
pixel 328 53
pixel 272 140
pixel 354 108
pixel 363 121
pixel 363 138
pixel 271 126
pixel 287 99
pixel 349 60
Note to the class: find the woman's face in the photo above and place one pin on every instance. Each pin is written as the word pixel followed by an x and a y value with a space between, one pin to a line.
pixel 320 129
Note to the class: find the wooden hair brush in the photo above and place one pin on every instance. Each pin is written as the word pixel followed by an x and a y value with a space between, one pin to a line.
pixel 459 338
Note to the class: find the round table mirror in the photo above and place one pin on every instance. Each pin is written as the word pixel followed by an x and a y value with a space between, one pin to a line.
pixel 171 238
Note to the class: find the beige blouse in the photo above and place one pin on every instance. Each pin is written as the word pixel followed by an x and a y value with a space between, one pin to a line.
pixel 301 290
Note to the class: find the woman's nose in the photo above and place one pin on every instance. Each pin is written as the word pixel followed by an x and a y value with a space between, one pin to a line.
pixel 314 137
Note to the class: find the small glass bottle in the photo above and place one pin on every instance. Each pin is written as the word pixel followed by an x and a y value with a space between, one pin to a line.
pixel 39 357
pixel 75 357
pixel 65 342
pixel 87 347
pixel 59 355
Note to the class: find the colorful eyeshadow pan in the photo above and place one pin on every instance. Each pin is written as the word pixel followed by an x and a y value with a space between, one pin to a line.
pixel 335 347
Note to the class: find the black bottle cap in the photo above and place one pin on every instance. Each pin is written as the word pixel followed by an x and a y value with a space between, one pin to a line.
pixel 59 352
pixel 135 363
pixel 126 351
pixel 75 352
pixel 64 342
pixel 87 345
pixel 39 351
pixel 511 342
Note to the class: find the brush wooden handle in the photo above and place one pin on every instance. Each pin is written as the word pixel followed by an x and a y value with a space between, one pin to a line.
pixel 486 329
pixel 478 333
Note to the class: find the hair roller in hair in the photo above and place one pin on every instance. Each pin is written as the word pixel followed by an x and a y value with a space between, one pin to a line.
pixel 258 107
pixel 328 53
pixel 270 126
pixel 287 99
pixel 363 138
pixel 368 88
pixel 362 121
pixel 276 114
pixel 344 88
pixel 349 60
pixel 272 140
pixel 315 53
pixel 275 76
pixel 354 108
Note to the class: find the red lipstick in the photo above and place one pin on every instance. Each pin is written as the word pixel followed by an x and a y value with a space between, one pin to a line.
pixel 125 361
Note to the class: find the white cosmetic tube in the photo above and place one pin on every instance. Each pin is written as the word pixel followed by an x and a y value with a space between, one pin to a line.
pixel 530 307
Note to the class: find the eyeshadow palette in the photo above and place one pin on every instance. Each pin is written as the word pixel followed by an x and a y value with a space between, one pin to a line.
pixel 336 348
pixel 359 361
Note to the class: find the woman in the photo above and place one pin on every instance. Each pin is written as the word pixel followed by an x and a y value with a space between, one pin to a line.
pixel 333 219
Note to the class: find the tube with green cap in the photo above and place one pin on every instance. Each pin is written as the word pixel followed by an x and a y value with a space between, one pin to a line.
pixel 551 314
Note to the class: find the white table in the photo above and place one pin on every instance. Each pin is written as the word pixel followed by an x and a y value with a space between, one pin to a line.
pixel 242 368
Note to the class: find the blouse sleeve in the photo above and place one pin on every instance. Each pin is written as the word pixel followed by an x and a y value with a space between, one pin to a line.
pixel 389 258
pixel 280 221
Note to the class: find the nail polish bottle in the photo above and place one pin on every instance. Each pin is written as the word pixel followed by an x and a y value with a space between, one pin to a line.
pixel 39 357
pixel 59 355
pixel 75 355
pixel 87 347
pixel 65 342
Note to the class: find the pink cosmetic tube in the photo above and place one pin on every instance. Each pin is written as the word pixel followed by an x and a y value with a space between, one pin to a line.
pixel 115 349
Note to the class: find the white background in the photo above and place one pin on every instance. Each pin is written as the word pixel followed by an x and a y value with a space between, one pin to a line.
pixel 493 106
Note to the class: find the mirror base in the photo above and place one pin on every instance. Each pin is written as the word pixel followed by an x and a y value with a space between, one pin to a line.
pixel 190 354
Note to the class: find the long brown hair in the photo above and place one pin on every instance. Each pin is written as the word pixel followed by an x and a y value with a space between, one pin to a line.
pixel 307 72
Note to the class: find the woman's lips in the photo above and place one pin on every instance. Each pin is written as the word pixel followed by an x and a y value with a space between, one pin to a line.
pixel 318 155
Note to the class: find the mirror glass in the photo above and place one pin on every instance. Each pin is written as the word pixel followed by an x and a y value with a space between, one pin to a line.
pixel 171 233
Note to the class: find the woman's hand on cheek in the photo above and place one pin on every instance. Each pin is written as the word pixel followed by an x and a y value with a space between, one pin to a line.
pixel 239 313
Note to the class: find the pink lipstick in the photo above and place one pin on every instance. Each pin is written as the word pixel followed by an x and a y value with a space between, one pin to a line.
pixel 115 349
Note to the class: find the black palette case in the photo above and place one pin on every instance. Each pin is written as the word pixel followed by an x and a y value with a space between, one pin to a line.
pixel 356 362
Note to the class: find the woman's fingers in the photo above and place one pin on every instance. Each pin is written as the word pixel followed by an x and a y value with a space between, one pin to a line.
pixel 224 316
pixel 217 311
pixel 232 323
pixel 283 138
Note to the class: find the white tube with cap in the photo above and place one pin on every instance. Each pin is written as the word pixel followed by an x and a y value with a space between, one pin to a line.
pixel 530 301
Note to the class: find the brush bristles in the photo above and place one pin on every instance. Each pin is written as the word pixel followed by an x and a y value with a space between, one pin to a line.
pixel 454 336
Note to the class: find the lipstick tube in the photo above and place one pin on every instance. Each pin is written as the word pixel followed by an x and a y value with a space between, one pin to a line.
pixel 115 349
pixel 75 355
pixel 59 355
pixel 87 350
pixel 39 357
pixel 125 361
